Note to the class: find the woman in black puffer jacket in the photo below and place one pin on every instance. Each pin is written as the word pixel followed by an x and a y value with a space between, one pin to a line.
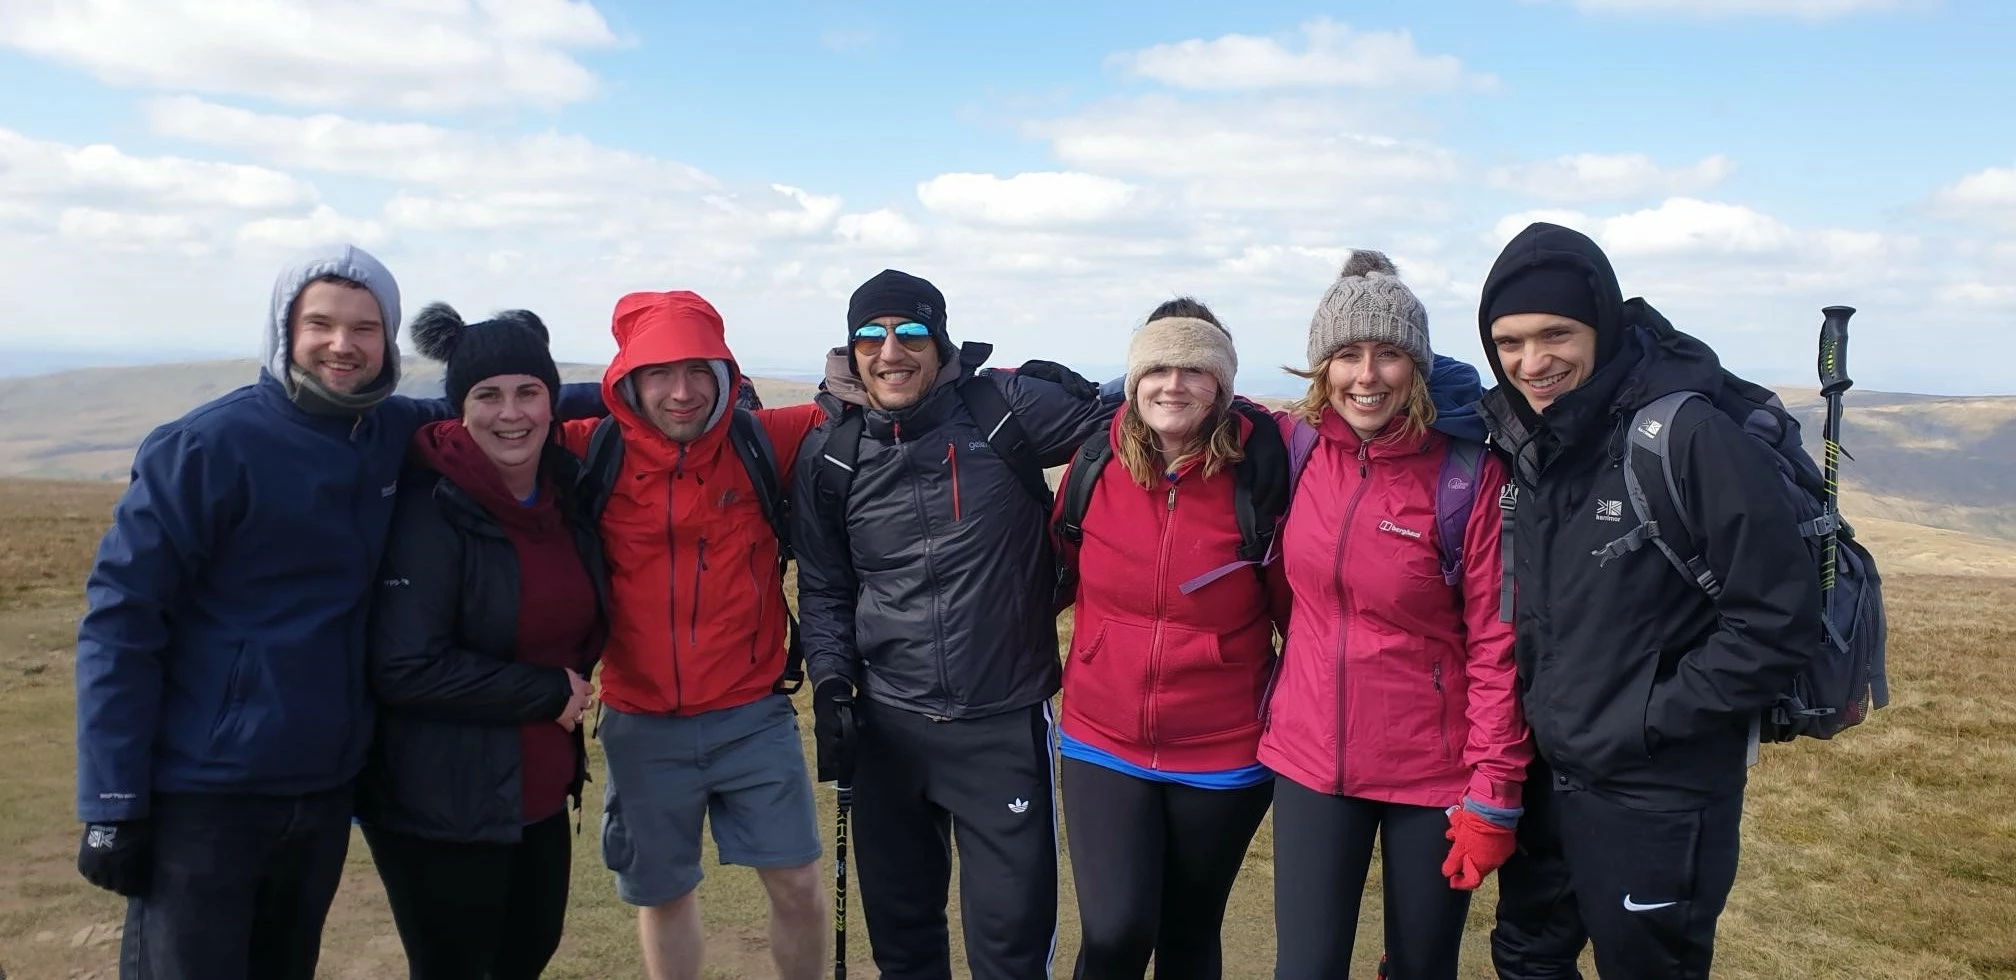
pixel 487 620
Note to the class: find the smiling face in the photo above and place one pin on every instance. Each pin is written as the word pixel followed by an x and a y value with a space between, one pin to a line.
pixel 678 397
pixel 338 335
pixel 509 416
pixel 898 370
pixel 1543 355
pixel 1369 384
pixel 1174 402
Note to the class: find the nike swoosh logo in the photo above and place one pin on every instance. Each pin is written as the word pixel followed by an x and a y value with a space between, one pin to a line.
pixel 1631 906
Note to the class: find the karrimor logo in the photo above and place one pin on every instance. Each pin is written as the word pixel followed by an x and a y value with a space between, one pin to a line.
pixel 1609 510
pixel 1651 428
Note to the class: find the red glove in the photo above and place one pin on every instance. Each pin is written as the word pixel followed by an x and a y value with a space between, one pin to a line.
pixel 1477 847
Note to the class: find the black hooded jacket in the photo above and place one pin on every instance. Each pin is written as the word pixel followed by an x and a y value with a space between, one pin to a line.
pixel 939 598
pixel 1635 682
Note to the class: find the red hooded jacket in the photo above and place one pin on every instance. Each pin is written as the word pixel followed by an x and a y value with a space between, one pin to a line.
pixel 1161 679
pixel 697 605
pixel 1393 685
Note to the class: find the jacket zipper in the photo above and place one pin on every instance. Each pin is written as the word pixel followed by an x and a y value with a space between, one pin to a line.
pixel 1441 710
pixel 1155 641
pixel 762 601
pixel 930 569
pixel 672 581
pixel 693 613
pixel 1343 606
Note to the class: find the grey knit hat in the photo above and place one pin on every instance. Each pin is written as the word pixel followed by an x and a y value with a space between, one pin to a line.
pixel 1369 302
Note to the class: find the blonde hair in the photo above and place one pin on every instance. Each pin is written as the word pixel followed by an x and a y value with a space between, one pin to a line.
pixel 1218 444
pixel 1417 414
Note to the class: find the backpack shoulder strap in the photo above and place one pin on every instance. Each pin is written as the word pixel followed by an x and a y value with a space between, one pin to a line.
pixel 759 459
pixel 1655 495
pixel 835 478
pixel 991 411
pixel 1076 493
pixel 1261 484
pixel 1455 498
pixel 603 464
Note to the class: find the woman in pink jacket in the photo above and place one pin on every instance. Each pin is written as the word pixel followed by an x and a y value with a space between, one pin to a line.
pixel 1393 712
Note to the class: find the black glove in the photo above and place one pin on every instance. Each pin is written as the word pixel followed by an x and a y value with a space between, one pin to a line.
pixel 1057 374
pixel 118 857
pixel 834 729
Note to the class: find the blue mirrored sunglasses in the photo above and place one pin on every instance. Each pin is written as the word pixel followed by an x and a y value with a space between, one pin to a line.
pixel 914 337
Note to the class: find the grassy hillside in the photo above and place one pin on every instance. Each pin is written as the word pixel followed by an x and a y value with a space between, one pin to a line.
pixel 1890 853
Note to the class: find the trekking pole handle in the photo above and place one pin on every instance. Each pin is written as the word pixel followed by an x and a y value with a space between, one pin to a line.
pixel 1834 350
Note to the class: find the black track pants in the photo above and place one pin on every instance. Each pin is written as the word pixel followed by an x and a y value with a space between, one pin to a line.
pixel 1644 886
pixel 1154 864
pixel 985 784
pixel 1322 852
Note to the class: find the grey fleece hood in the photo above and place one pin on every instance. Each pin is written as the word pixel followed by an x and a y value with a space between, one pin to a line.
pixel 276 349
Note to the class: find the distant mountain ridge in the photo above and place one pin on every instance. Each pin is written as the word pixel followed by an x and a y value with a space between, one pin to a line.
pixel 1937 460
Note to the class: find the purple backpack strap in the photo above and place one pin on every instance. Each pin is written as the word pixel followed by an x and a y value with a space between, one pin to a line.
pixel 1300 439
pixel 1455 498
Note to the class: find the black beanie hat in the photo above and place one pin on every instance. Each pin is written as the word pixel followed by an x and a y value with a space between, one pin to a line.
pixel 892 293
pixel 1556 288
pixel 514 342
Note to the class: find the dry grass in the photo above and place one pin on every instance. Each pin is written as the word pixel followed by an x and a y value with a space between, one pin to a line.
pixel 1890 854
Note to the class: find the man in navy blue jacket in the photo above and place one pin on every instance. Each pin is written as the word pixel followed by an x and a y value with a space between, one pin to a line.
pixel 222 708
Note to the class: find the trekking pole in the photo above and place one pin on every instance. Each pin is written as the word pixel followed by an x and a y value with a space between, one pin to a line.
pixel 845 793
pixel 1833 382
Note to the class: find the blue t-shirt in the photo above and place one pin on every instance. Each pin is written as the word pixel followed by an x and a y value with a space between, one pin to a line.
pixel 1240 778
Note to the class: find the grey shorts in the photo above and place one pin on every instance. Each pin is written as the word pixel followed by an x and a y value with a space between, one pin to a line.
pixel 743 769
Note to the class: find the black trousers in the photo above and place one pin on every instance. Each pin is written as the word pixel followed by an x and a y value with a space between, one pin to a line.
pixel 986 784
pixel 1322 853
pixel 1154 864
pixel 1645 886
pixel 241 887
pixel 477 911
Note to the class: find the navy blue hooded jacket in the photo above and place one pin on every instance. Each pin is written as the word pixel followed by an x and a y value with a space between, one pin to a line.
pixel 223 647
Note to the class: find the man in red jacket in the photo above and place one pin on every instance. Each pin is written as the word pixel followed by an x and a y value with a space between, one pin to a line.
pixel 693 728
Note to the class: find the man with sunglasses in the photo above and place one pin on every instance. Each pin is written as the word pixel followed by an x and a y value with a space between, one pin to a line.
pixel 925 588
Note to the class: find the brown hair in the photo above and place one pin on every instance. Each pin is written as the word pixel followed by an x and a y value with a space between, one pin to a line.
pixel 1218 440
pixel 1418 414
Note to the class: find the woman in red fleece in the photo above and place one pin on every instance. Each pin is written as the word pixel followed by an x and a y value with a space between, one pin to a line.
pixel 1167 665
pixel 1394 712
pixel 487 619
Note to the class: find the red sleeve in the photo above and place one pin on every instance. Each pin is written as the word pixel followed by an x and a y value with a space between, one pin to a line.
pixel 787 428
pixel 1499 747
pixel 574 435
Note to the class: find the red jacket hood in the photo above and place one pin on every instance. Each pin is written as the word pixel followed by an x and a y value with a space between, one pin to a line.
pixel 659 328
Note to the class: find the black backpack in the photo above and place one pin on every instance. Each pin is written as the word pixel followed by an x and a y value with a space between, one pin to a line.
pixel 990 411
pixel 604 462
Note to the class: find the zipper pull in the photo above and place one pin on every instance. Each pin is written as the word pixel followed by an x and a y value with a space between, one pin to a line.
pixel 1438 676
pixel 896 431
pixel 1364 466
pixel 1172 497
pixel 679 462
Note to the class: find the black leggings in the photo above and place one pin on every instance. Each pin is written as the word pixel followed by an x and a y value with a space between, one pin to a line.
pixel 1154 865
pixel 1322 852
pixel 477 911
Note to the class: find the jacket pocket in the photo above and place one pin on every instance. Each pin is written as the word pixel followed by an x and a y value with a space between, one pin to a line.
pixel 231 708
pixel 1104 681
pixel 1441 710
pixel 1194 693
pixel 1605 729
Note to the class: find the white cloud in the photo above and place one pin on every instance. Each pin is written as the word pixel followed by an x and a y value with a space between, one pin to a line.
pixel 409 54
pixel 120 231
pixel 418 152
pixel 1808 9
pixel 1333 56
pixel 43 171
pixel 881 231
pixel 1987 193
pixel 1513 224
pixel 322 225
pixel 1684 225
pixel 1974 293
pixel 814 214
pixel 1598 176
pixel 1028 200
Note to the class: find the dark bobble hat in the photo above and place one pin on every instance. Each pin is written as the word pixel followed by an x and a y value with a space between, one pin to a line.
pixel 893 293
pixel 514 342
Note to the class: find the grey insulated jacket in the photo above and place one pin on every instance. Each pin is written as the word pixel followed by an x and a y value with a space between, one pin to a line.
pixel 938 597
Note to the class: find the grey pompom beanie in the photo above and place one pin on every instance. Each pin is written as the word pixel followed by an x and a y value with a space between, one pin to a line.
pixel 1369 302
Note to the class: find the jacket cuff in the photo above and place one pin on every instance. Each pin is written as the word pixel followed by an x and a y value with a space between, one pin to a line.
pixel 1494 792
pixel 1507 818
pixel 113 811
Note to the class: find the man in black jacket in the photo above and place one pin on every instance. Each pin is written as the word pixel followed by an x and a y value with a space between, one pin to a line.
pixel 1640 688
pixel 925 591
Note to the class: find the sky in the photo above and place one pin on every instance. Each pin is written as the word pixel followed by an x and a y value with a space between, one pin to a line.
pixel 1057 169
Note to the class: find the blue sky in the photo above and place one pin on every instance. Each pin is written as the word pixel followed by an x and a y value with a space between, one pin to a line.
pixel 1057 168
